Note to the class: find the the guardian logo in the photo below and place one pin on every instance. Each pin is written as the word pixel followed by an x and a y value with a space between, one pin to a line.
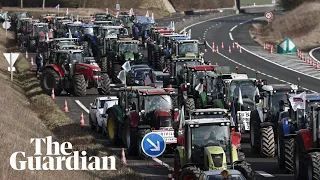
pixel 62 158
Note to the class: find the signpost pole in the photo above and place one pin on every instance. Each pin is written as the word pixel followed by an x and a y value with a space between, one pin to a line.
pixel 11 71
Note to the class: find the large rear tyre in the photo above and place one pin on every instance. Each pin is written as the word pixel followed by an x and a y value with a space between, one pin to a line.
pixel 105 85
pixel 245 169
pixel 254 132
pixel 112 130
pixel 50 79
pixel 190 173
pixel 104 64
pixel 79 85
pixel 141 135
pixel 190 104
pixel 280 147
pixel 91 124
pixel 161 63
pixel 313 164
pixel 267 142
pixel 116 70
pixel 289 155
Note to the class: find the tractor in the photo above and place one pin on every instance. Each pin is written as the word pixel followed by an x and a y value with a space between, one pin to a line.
pixel 75 28
pixel 296 119
pixel 38 37
pixel 144 25
pixel 206 141
pixel 306 149
pixel 141 109
pixel 103 17
pixel 239 96
pixel 264 119
pixel 123 50
pixel 68 70
pixel 61 28
pixel 196 89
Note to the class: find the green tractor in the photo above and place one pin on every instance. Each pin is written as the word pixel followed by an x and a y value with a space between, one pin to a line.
pixel 123 50
pixel 207 142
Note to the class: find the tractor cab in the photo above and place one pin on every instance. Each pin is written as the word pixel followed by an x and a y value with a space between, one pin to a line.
pixel 187 48
pixel 75 29
pixel 144 24
pixel 129 50
pixel 85 19
pixel 23 26
pixel 104 23
pixel 41 30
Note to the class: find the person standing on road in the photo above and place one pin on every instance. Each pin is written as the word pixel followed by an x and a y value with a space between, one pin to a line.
pixel 39 62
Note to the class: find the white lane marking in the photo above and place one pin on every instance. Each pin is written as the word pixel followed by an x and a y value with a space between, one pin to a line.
pixel 233 28
pixel 276 63
pixel 82 106
pixel 264 174
pixel 161 162
pixel 230 36
pixel 242 23
pixel 311 53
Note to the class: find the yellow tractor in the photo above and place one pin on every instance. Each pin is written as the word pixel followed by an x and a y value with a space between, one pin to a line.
pixel 206 141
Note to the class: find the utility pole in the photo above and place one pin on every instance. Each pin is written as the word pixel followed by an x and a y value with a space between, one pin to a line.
pixel 21 3
pixel 43 4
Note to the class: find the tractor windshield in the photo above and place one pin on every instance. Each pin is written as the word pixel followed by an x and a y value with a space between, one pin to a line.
pixel 247 89
pixel 185 48
pixel 274 100
pixel 75 29
pixel 131 47
pixel 66 43
pixel 201 116
pixel 180 64
pixel 78 57
pixel 154 102
pixel 146 27
pixel 209 135
pixel 41 28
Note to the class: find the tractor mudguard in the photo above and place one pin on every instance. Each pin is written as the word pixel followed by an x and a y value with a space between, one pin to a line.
pixel 304 140
pixel 56 68
pixel 288 136
pixel 182 155
pixel 134 118
pixel 260 113
pixel 285 126
pixel 313 150
pixel 118 112
pixel 266 124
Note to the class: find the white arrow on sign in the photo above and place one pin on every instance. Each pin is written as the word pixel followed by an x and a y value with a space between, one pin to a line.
pixel 283 45
pixel 291 45
pixel 14 57
pixel 156 147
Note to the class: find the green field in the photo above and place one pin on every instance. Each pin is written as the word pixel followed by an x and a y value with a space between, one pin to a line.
pixel 258 2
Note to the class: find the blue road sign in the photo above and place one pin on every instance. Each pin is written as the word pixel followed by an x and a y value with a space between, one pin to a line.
pixel 153 144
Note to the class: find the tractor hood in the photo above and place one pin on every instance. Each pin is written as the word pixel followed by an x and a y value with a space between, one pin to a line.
pixel 88 66
pixel 128 56
pixel 216 157
pixel 192 55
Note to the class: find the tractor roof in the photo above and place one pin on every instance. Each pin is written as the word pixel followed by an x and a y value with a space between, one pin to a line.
pixel 187 41
pixel 218 172
pixel 154 91
pixel 68 51
pixel 108 98
pixel 133 88
pixel 279 87
pixel 111 27
pixel 75 24
pixel 203 67
pixel 40 24
pixel 207 121
pixel 208 111
pixel 65 39
pixel 186 59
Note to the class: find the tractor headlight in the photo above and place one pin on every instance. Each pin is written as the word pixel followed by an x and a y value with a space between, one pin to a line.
pixel 265 110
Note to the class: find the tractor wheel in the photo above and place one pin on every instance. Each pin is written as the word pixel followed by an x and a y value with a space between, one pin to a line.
pixel 177 165
pixel 288 155
pixel 245 169
pixel 254 132
pixel 313 166
pixel 50 79
pixel 105 85
pixel 161 63
pixel 130 139
pixel 296 157
pixel 116 70
pixel 79 85
pixel 190 173
pixel 112 130
pixel 190 104
pixel 92 126
pixel 141 135
pixel 156 59
pixel 267 142
pixel 104 64
pixel 280 147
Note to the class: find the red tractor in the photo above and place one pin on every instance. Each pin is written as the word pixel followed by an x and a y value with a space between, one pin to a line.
pixel 68 70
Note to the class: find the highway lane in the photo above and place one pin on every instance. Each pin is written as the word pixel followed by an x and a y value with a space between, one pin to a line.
pixel 217 31
pixel 315 53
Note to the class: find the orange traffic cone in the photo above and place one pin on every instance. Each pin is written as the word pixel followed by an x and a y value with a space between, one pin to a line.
pixel 123 158
pixel 222 46
pixel 240 49
pixel 237 45
pixel 213 50
pixel 27 55
pixel 31 61
pixel 66 109
pixel 271 50
pixel 217 49
pixel 82 123
pixel 298 52
pixel 233 45
pixel 53 97
pixel 229 49
pixel 212 45
pixel 317 65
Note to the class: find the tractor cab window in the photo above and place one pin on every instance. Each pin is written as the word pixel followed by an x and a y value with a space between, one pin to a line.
pixel 180 65
pixel 77 57
pixel 154 102
pixel 197 75
pixel 188 48
pixel 146 27
pixel 40 28
pixel 274 101
pixel 202 116
pixel 128 47
pixel 88 30
pixel 209 135
pixel 75 29
pixel 247 88
pixel 62 58
pixel 112 31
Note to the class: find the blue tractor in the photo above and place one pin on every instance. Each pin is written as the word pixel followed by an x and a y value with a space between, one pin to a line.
pixel 76 30
pixel 292 121
pixel 142 27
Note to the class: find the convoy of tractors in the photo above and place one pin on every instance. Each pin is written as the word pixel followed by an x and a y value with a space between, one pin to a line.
pixel 201 110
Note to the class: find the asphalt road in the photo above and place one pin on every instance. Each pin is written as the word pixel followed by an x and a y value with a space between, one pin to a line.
pixel 216 31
